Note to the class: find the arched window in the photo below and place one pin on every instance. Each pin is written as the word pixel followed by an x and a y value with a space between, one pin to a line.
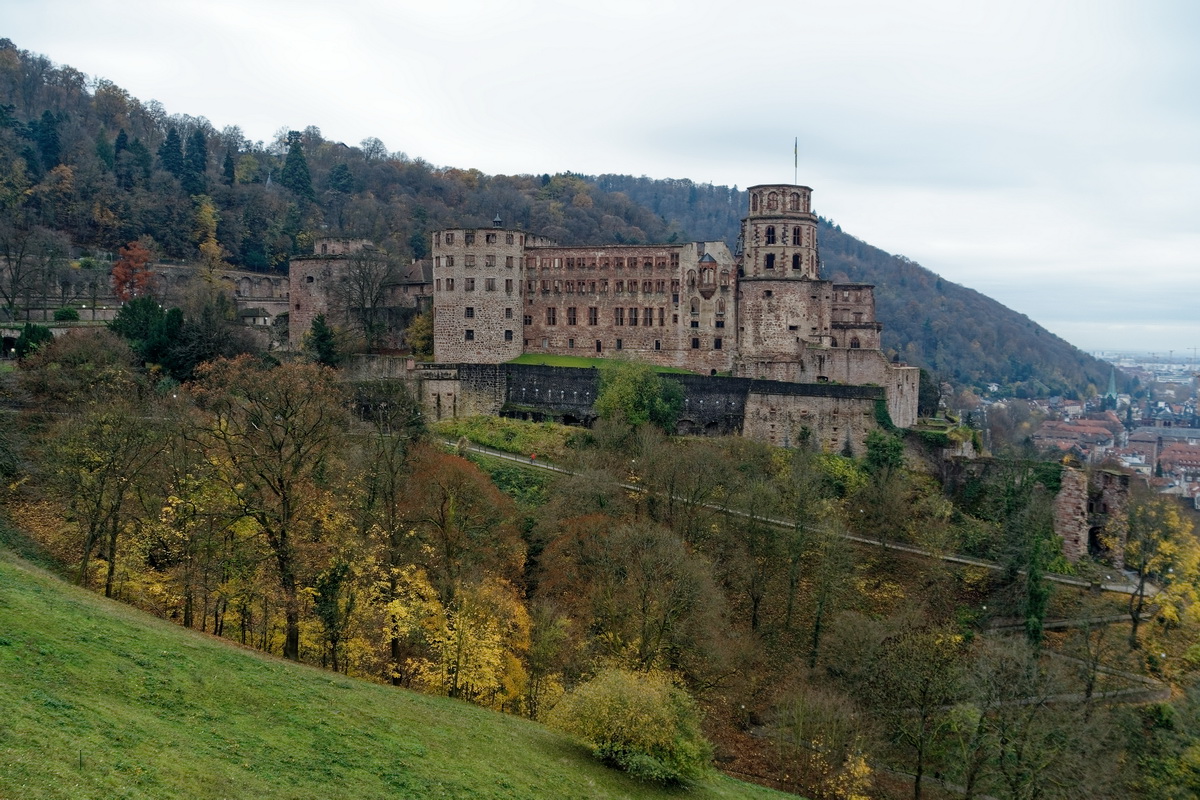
pixel 770 262
pixel 770 234
pixel 833 342
pixel 724 277
pixel 796 236
pixel 754 202
pixel 795 261
pixel 854 345
pixel 794 201
pixel 695 305
pixel 772 201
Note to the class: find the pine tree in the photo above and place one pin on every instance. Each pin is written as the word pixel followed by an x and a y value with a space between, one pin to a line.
pixel 48 141
pixel 195 164
pixel 228 169
pixel 295 175
pixel 104 150
pixel 322 343
pixel 170 154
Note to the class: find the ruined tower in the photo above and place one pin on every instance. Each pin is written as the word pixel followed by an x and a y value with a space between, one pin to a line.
pixel 477 295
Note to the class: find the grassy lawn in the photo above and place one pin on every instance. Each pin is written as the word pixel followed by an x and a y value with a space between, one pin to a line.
pixel 548 360
pixel 101 700
pixel 548 439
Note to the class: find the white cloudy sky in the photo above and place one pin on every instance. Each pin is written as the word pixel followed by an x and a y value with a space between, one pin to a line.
pixel 1045 153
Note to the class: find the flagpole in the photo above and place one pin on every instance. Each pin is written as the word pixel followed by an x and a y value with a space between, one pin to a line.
pixel 796 161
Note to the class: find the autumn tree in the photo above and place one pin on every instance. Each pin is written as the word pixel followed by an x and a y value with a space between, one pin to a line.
pixel 363 293
pixel 633 393
pixel 1162 550
pixel 131 274
pixel 276 432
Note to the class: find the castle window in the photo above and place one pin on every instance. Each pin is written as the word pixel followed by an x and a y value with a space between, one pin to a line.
pixel 795 261
pixel 717 343
pixel 720 323
pixel 449 284
pixel 767 293
pixel 754 202
pixel 633 316
pixel 695 323
pixel 604 287
pixel 674 319
pixel 570 263
pixel 674 260
pixel 508 238
pixel 545 287
pixel 470 238
pixel 794 201
pixel 618 316
pixel 437 238
pixel 527 319
pixel 648 317
pixel 591 287
pixel 620 344
pixel 469 335
pixel 508 336
pixel 647 287
pixel 770 234
pixel 770 261
pixel 469 312
pixel 833 342
pixel 854 345
pixel 545 343
pixel 571 344
pixel 720 306
pixel 551 316
pixel 489 284
pixel 449 238
pixel 661 263
pixel 660 287
pixel 796 236
pixel 449 261
pixel 571 315
pixel 695 305
pixel 658 344
pixel 508 285
pixel 772 201
pixel 489 261
pixel 695 343
pixel 508 313
pixel 309 279
pixel 470 287
pixel 661 316
pixel 593 315
pixel 489 238
pixel 604 263
pixel 619 262
pixel 438 284
pixel 570 286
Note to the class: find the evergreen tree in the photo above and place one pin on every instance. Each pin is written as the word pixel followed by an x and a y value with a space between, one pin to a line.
pixel 341 180
pixel 170 154
pixel 295 175
pixel 228 169
pixel 195 164
pixel 322 343
pixel 104 150
pixel 48 141
pixel 121 144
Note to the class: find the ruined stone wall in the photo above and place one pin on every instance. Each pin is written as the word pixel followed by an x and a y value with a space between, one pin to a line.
pixel 311 280
pixel 1070 514
pixel 477 308
pixel 671 305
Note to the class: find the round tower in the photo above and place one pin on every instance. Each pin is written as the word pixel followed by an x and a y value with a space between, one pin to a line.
pixel 779 237
pixel 477 312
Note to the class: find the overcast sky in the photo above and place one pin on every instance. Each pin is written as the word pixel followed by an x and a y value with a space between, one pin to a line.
pixel 1045 153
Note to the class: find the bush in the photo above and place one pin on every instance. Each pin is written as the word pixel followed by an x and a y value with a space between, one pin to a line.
pixel 66 314
pixel 640 722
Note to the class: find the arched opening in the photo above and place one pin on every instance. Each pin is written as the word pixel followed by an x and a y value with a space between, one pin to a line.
pixel 854 344
pixel 773 201
pixel 794 201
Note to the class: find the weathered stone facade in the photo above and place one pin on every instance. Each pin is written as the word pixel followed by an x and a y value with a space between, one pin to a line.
pixel 762 314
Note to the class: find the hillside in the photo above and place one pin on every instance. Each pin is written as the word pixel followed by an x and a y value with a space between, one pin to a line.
pixel 85 168
pixel 104 701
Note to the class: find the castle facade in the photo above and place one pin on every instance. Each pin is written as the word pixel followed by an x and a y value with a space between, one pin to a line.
pixel 761 312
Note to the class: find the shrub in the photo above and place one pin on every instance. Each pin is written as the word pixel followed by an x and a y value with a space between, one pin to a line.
pixel 66 314
pixel 640 722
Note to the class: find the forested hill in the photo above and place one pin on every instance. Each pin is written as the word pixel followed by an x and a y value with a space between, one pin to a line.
pixel 957 333
pixel 86 168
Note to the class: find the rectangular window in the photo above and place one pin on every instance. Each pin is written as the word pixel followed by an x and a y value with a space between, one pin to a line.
pixel 449 282
pixel 619 288
pixel 489 284
pixel 449 259
pixel 508 336
pixel 633 316
pixel 438 284
pixel 508 285
pixel 449 238
pixel 508 239
pixel 545 287
pixel 571 315
pixel 527 319
pixel 593 315
pixel 489 238
pixel 620 344
pixel 720 323
pixel 658 344
pixel 470 237
pixel 489 261
pixel 470 284
pixel 674 259
pixel 648 317
pixel 571 344
pixel 661 317
pixel 619 263
pixel 469 261
pixel 551 316
pixel 618 316
pixel 695 343
pixel 508 261
pixel 508 313
pixel 717 344
pixel 469 312
pixel 470 335
pixel 695 323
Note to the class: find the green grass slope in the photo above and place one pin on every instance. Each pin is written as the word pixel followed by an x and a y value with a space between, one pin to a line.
pixel 98 700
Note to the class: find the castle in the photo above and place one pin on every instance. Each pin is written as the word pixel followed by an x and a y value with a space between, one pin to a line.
pixel 763 312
